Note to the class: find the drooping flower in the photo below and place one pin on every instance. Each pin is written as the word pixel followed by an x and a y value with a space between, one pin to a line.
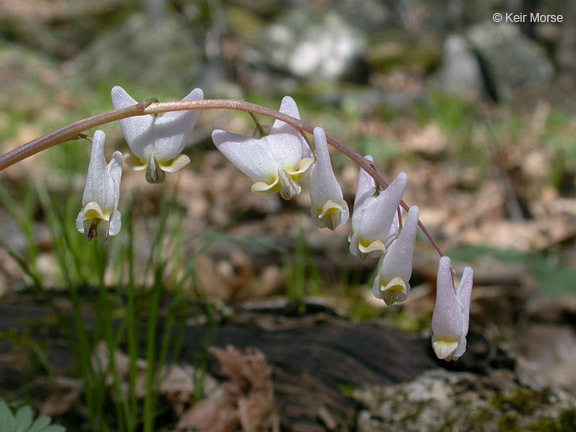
pixel 395 266
pixel 99 214
pixel 451 313
pixel 156 142
pixel 276 162
pixel 373 220
pixel 329 210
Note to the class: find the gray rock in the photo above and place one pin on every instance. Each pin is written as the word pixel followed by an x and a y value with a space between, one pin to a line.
pixel 310 44
pixel 371 16
pixel 459 401
pixel 164 54
pixel 511 61
pixel 460 72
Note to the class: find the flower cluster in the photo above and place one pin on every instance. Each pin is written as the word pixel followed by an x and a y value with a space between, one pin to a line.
pixel 279 162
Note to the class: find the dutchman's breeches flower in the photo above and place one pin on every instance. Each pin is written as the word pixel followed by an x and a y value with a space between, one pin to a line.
pixel 277 162
pixel 156 142
pixel 329 210
pixel 99 214
pixel 373 220
pixel 395 266
pixel 451 312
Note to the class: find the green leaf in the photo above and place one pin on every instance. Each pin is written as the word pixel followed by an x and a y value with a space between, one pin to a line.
pixel 40 425
pixel 7 422
pixel 24 419
pixel 55 428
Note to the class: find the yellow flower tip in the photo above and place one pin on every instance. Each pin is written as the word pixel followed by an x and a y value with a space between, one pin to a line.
pixel 303 167
pixel 329 208
pixel 368 248
pixel 330 214
pixel 175 164
pixel 445 348
pixel 394 291
pixel 262 188
pixel 134 163
pixel 93 211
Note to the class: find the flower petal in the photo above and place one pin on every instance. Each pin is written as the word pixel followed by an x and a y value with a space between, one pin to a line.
pixel 445 349
pixel 115 223
pixel 135 163
pixel 447 318
pixel 372 220
pixel 175 164
pixel 289 188
pixel 115 170
pixel 287 149
pixel 171 132
pixel 154 174
pixel 262 188
pixel 463 295
pixel 249 155
pixel 395 267
pixel 324 187
pixel 99 184
pixel 395 228
pixel 366 186
pixel 331 215
pixel 287 106
pixel 135 128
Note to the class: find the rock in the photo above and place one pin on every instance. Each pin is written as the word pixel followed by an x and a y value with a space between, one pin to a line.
pixel 511 61
pixel 164 54
pixel 313 45
pixel 460 74
pixel 372 16
pixel 551 348
pixel 459 401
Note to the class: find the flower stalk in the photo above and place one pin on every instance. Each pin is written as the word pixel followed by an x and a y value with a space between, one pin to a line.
pixel 152 106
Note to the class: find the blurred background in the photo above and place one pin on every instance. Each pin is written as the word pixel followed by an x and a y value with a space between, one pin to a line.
pixel 479 114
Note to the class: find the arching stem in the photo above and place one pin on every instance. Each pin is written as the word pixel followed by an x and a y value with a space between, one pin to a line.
pixel 73 131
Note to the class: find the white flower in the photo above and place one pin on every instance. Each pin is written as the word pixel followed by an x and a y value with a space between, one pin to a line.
pixel 451 312
pixel 277 162
pixel 99 214
pixel 156 141
pixel 395 267
pixel 329 209
pixel 373 221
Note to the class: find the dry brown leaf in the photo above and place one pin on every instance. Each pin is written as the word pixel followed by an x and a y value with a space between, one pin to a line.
pixel 218 413
pixel 246 400
pixel 66 391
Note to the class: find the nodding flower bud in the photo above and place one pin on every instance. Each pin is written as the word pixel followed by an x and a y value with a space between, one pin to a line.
pixel 329 210
pixel 99 214
pixel 277 162
pixel 156 142
pixel 395 266
pixel 373 217
pixel 451 312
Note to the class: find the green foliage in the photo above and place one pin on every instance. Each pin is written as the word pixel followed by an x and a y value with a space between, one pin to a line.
pixel 552 275
pixel 559 140
pixel 450 113
pixel 302 273
pixel 23 421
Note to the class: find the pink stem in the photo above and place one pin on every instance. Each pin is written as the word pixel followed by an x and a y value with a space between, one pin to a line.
pixel 72 131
